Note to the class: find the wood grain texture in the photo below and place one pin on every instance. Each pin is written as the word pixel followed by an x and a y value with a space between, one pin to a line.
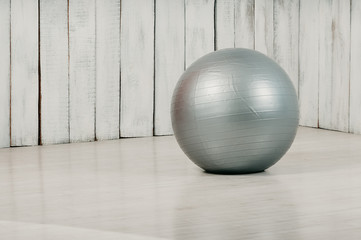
pixel 82 70
pixel 264 27
pixel 169 59
pixel 147 189
pixel 285 45
pixel 355 69
pixel 54 71
pixel 107 69
pixel 137 68
pixel 225 24
pixel 325 60
pixel 24 72
pixel 244 24
pixel 83 99
pixel 340 66
pixel 199 29
pixel 308 62
pixel 334 66
pixel 5 73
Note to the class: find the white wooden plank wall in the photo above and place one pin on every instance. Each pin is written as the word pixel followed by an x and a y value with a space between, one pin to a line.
pixel 169 59
pixel 340 66
pixel 137 68
pixel 24 72
pixel 54 71
pixel 225 24
pixel 308 62
pixel 264 27
pixel 107 69
pixel 4 73
pixel 325 60
pixel 199 21
pixel 355 69
pixel 285 45
pixel 82 70
pixel 335 67
pixel 244 24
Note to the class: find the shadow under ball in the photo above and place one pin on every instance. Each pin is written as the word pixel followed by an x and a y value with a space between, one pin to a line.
pixel 234 111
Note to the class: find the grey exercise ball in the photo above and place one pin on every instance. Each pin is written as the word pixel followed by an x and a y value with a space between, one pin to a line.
pixel 234 111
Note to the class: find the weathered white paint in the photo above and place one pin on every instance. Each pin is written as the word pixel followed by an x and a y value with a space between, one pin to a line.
pixel 244 24
pixel 285 45
pixel 199 27
pixel 325 60
pixel 54 71
pixel 225 23
pixel 82 70
pixel 169 59
pixel 5 73
pixel 107 69
pixel 86 105
pixel 340 66
pixel 24 72
pixel 264 26
pixel 334 66
pixel 137 68
pixel 308 62
pixel 355 69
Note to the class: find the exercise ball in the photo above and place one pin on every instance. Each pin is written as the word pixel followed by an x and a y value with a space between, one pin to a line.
pixel 234 111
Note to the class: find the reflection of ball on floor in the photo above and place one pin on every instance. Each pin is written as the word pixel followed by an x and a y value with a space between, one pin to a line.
pixel 234 111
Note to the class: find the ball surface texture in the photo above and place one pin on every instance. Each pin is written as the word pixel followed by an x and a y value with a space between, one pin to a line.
pixel 234 111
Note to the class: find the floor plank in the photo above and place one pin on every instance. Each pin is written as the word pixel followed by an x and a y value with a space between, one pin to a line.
pixel 146 188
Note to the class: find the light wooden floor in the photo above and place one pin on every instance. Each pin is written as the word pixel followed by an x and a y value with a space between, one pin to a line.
pixel 146 188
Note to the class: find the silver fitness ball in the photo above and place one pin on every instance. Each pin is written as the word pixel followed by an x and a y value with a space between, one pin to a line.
pixel 234 111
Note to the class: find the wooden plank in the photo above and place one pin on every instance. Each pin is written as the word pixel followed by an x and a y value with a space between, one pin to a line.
pixel 225 18
pixel 82 70
pixel 137 68
pixel 334 67
pixel 169 59
pixel 325 61
pixel 147 189
pixel 264 27
pixel 340 65
pixel 355 69
pixel 285 45
pixel 107 69
pixel 244 24
pixel 199 29
pixel 24 72
pixel 54 71
pixel 308 62
pixel 5 73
